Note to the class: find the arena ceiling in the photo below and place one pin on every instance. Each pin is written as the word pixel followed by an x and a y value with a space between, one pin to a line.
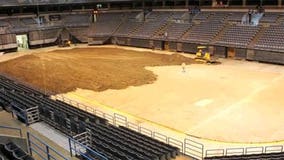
pixel 11 3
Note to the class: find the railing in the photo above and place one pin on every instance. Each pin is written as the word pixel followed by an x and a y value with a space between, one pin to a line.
pixel 20 113
pixel 79 149
pixel 188 146
pixel 41 150
pixel 193 149
pixel 17 130
pixel 243 151
pixel 120 120
pixel 28 116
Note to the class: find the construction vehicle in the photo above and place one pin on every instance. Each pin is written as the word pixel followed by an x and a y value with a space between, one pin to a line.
pixel 203 55
pixel 65 43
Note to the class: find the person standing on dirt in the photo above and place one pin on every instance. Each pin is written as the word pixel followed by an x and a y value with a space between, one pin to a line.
pixel 183 67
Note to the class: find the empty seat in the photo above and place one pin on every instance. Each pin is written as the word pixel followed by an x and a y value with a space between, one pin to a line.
pixel 237 35
pixel 19 154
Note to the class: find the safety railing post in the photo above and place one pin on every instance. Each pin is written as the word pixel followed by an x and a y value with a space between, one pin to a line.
pixel 29 143
pixel 70 146
pixel 47 153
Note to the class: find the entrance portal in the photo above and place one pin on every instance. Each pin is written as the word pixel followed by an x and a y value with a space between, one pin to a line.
pixel 22 42
pixel 231 53
pixel 165 45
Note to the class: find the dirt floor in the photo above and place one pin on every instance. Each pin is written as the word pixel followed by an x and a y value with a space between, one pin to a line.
pixel 96 69
pixel 236 101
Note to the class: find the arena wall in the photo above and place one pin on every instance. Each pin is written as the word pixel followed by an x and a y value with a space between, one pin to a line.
pixel 8 42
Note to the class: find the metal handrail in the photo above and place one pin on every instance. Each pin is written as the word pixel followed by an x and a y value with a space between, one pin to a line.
pixel 13 128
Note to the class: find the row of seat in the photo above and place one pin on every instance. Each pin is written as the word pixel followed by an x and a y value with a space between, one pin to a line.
pixel 121 24
pixel 13 152
pixel 242 35
pixel 203 32
pixel 136 142
pixel 13 85
pixel 272 38
pixel 174 31
pixel 147 29
pixel 111 141
pixel 114 133
pixel 126 28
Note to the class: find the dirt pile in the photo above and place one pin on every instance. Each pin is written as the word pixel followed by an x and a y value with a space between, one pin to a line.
pixel 96 69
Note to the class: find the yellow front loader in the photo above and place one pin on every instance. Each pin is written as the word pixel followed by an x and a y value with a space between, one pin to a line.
pixel 203 55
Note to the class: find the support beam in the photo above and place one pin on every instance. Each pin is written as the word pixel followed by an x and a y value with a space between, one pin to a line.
pixel 108 5
pixel 244 3
pixel 186 3
pixel 143 4
pixel 279 3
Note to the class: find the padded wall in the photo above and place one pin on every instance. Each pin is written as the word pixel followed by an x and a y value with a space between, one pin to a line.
pixel 8 42
pixel 144 43
pixel 173 46
pixel 43 36
pixel 189 47
pixel 268 56
pixel 80 34
pixel 220 51
pixel 121 40
pixel 158 44
pixel 241 53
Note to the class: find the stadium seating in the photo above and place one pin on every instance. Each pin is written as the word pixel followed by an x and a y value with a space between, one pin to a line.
pixel 218 28
pixel 174 31
pixel 238 36
pixel 218 16
pixel 202 16
pixel 127 28
pixel 236 16
pixel 203 32
pixel 112 141
pixel 158 16
pixel 28 21
pixel 135 145
pixel 104 27
pixel 179 16
pixel 147 30
pixel 17 25
pixel 270 17
pixel 10 151
pixel 272 39
pixel 80 33
pixel 75 20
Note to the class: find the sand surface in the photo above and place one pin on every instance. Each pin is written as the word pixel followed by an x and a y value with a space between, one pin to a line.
pixel 236 101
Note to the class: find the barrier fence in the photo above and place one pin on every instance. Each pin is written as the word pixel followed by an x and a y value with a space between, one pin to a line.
pixel 27 116
pixel 243 151
pixel 41 151
pixel 79 149
pixel 120 120
pixel 193 149
pixel 188 146
pixel 6 130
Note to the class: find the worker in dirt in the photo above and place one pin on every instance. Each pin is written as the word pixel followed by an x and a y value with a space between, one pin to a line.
pixel 183 67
